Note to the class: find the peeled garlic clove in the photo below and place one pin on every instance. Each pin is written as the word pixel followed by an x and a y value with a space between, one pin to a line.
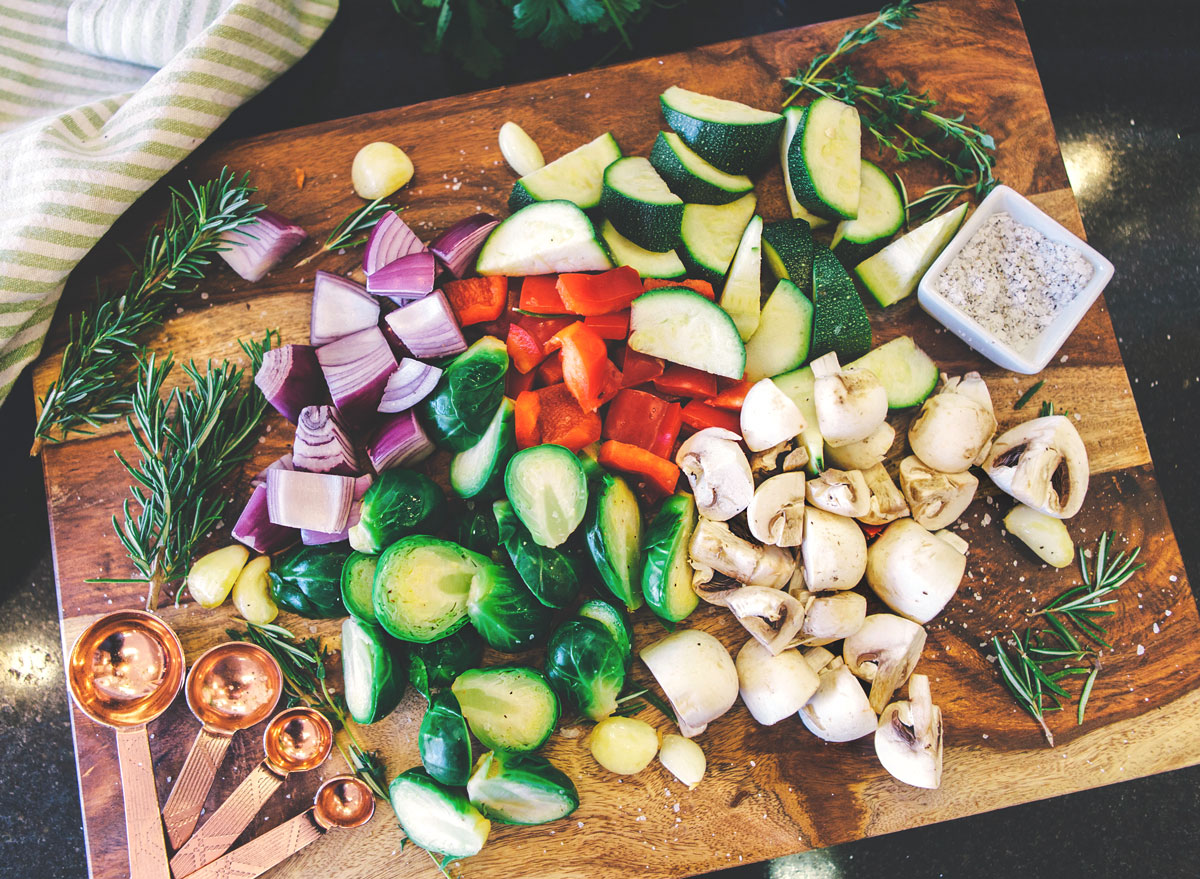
pixel 252 592
pixel 519 149
pixel 212 576
pixel 624 745
pixel 683 758
pixel 379 169
pixel 1046 535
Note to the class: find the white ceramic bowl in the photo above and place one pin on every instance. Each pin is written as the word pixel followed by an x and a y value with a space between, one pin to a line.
pixel 1034 357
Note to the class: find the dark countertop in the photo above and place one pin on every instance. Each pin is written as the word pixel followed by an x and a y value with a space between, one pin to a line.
pixel 1120 80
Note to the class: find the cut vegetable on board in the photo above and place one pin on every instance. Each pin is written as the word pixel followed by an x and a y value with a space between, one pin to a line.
pixel 894 272
pixel 577 177
pixel 732 136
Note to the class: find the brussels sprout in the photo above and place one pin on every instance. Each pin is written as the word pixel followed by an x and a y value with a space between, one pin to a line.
pixel 438 663
pixel 421 587
pixel 509 708
pixel 443 741
pixel 475 529
pixel 667 573
pixel 358 577
pixel 373 671
pixel 586 667
pixel 461 407
pixel 436 817
pixel 613 619
pixel 548 490
pixel 614 532
pixel 551 575
pixel 308 581
pixel 504 611
pixel 479 471
pixel 521 789
pixel 399 502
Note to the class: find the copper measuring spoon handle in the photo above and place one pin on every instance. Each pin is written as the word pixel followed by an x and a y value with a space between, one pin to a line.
pixel 264 852
pixel 182 810
pixel 227 823
pixel 143 825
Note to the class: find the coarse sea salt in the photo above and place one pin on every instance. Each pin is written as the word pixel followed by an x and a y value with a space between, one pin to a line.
pixel 1013 280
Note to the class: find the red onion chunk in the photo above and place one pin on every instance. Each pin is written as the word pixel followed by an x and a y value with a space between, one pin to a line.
pixel 321 444
pixel 356 369
pixel 257 247
pixel 399 441
pixel 319 538
pixel 390 239
pixel 411 383
pixel 458 246
pixel 427 327
pixel 340 308
pixel 290 379
pixel 283 462
pixel 315 501
pixel 409 277
pixel 255 529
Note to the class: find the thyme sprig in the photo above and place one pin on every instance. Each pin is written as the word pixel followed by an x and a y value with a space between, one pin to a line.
pixel 95 383
pixel 353 224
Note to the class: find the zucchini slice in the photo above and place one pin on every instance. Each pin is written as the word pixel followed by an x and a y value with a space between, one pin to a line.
pixel 548 490
pixel 421 587
pixel 358 577
pixel 576 177
pixel 373 671
pixel 710 235
pixel 521 789
pixel 646 263
pixel 840 321
pixel 791 121
pixel 614 533
pixel 480 468
pixel 443 741
pixel 788 249
pixel 880 216
pixel 732 136
pixel 640 205
pixel 824 159
pixel 907 373
pixel 742 296
pixel 436 817
pixel 798 385
pixel 667 574
pixel 784 333
pixel 544 239
pixel 894 272
pixel 682 326
pixel 508 707
pixel 692 178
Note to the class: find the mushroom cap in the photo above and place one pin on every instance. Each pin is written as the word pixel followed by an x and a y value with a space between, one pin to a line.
pixel 834 551
pixel 850 401
pixel 773 686
pixel 908 740
pixel 886 502
pixel 831 616
pixel 1043 463
pixel 776 512
pixel 884 651
pixel 843 492
pixel 839 711
pixel 954 427
pixel 935 499
pixel 769 417
pixel 914 572
pixel 697 675
pixel 717 469
pixel 864 453
pixel 772 616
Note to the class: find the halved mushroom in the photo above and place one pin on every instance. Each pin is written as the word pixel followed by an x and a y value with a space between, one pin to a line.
pixel 817 658
pixel 772 616
pixel 715 546
pixel 696 674
pixel 884 651
pixel 717 469
pixel 796 459
pixel 773 686
pixel 850 402
pixel 839 711
pixel 935 499
pixel 864 453
pixel 1043 464
pixel 769 417
pixel 908 740
pixel 843 492
pixel 776 513
pixel 914 572
pixel 955 425
pixel 830 617
pixel 834 551
pixel 886 503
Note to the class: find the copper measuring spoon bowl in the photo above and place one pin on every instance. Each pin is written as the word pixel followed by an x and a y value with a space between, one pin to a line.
pixel 296 740
pixel 344 802
pixel 231 687
pixel 124 670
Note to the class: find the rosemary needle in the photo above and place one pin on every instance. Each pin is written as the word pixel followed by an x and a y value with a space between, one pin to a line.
pixel 352 225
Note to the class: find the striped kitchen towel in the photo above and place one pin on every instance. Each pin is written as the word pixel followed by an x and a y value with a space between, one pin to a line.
pixel 87 124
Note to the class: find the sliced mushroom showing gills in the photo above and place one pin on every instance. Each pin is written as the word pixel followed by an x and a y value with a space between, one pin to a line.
pixel 717 469
pixel 843 492
pixel 696 674
pixel 769 417
pixel 839 711
pixel 773 686
pixel 884 652
pixel 935 499
pixel 915 572
pixel 851 403
pixel 955 426
pixel 864 453
pixel 908 740
pixel 1043 464
pixel 886 502
pixel 776 513
pixel 830 617
pixel 834 551
pixel 772 616
pixel 715 546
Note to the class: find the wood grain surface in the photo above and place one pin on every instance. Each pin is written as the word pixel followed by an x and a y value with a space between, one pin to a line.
pixel 770 791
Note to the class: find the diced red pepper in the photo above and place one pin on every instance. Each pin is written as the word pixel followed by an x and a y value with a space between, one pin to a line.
pixel 871 531
pixel 550 370
pixel 613 326
pixel 603 293
pixel 659 474
pixel 587 371
pixel 684 381
pixel 551 415
pixel 477 300
pixel 704 288
pixel 527 338
pixel 732 397
pixel 699 415
pixel 539 294
pixel 517 382
pixel 638 368
pixel 635 417
pixel 668 432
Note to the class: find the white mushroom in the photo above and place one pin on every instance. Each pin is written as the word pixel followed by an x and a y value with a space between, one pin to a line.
pixel 772 616
pixel 839 711
pixel 935 499
pixel 843 492
pixel 914 572
pixel 830 617
pixel 834 551
pixel 773 686
pixel 696 674
pixel 908 740
pixel 769 417
pixel 776 513
pixel 850 403
pixel 1043 464
pixel 817 658
pixel 886 503
pixel 717 469
pixel 884 651
pixel 864 453
pixel 955 425
pixel 715 546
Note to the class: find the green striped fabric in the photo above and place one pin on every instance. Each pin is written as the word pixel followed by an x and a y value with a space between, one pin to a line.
pixel 87 122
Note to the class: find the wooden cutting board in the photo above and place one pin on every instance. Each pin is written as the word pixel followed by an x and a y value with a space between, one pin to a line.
pixel 769 791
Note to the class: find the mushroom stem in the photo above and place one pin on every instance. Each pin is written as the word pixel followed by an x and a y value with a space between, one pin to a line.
pixel 715 546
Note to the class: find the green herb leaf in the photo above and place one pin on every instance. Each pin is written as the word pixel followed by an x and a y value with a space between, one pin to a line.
pixel 1029 394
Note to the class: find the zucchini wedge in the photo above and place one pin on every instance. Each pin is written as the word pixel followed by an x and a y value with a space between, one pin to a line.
pixel 788 250
pixel 824 159
pixel 880 216
pixel 894 272
pixel 742 296
pixel 640 205
pixel 732 136
pixel 784 333
pixel 576 177
pixel 840 321
pixel 907 373
pixel 681 326
pixel 646 263
pixel 544 239
pixel 690 177
pixel 791 121
pixel 710 235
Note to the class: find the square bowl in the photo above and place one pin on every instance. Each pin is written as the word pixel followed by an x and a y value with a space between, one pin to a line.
pixel 1033 357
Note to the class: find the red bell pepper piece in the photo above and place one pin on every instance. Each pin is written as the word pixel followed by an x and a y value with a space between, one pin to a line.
pixel 550 370
pixel 551 415
pixel 587 371
pixel 635 417
pixel 517 382
pixel 638 368
pixel 613 326
pixel 657 473
pixel 477 300
pixel 668 432
pixel 539 294
pixel 600 294
pixel 699 415
pixel 527 338
pixel 732 397
pixel 684 381
pixel 704 288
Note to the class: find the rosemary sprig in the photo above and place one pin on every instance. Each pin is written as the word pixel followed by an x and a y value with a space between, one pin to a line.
pixel 305 682
pixel 1029 394
pixel 353 224
pixel 95 383
pixel 190 441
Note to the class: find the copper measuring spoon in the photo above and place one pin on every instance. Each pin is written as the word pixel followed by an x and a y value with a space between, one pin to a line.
pixel 296 740
pixel 343 801
pixel 125 669
pixel 231 687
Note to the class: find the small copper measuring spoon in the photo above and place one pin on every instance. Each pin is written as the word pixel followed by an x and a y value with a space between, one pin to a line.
pixel 296 740
pixel 125 669
pixel 231 687
pixel 343 801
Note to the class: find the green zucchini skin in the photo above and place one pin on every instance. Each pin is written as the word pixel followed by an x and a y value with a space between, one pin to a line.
pixel 666 158
pixel 840 321
pixel 788 250
pixel 733 147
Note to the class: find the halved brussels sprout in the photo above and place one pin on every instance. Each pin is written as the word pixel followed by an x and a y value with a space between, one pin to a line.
pixel 667 571
pixel 438 663
pixel 551 575
pixel 459 410
pixel 586 667
pixel 613 619
pixel 510 708
pixel 358 579
pixel 504 611
pixel 480 469
pixel 614 534
pixel 548 489
pixel 521 789
pixel 373 671
pixel 443 741
pixel 437 818
pixel 421 587
pixel 398 503
pixel 308 581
